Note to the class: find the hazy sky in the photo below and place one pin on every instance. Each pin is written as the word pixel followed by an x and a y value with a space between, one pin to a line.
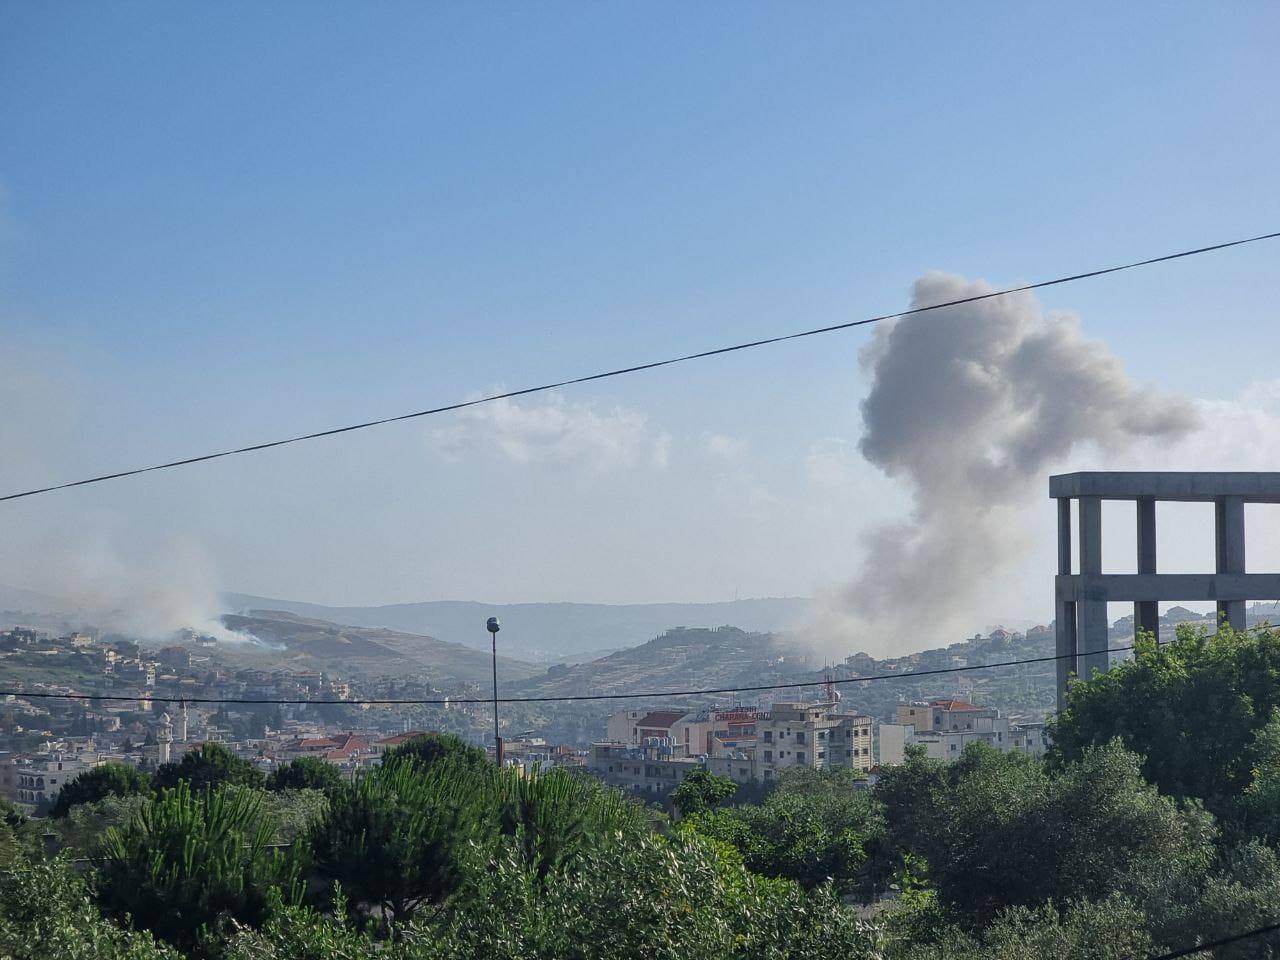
pixel 224 223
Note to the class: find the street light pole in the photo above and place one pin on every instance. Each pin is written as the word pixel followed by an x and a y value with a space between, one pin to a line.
pixel 493 626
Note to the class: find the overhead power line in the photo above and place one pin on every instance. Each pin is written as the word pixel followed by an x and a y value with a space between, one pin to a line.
pixel 637 368
pixel 653 694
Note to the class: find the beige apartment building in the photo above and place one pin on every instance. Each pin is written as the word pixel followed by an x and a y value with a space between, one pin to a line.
pixel 811 735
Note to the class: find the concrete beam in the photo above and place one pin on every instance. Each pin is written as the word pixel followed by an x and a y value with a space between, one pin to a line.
pixel 1174 485
pixel 1172 587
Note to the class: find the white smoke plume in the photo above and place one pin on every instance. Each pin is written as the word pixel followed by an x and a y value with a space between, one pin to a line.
pixel 970 407
pixel 74 559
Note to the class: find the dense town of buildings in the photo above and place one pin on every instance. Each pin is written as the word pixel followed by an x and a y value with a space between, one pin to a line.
pixel 650 751
pixel 132 707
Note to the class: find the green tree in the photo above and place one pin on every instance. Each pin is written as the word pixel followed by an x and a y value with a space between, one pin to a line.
pixel 637 898
pixel 13 835
pixel 1191 708
pixel 46 914
pixel 555 817
pixel 700 791
pixel 207 766
pixel 189 859
pixel 997 830
pixel 811 828
pixel 435 748
pixel 100 782
pixel 81 831
pixel 291 813
pixel 1185 905
pixel 1260 803
pixel 401 837
pixel 305 773
pixel 1113 929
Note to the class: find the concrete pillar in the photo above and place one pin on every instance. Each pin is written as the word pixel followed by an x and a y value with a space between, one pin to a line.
pixel 1064 535
pixel 1065 647
pixel 1065 610
pixel 1146 613
pixel 1229 539
pixel 1091 611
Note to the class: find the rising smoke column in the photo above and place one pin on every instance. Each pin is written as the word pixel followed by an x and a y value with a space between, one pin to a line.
pixel 970 407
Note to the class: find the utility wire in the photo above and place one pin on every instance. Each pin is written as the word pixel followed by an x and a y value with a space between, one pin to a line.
pixel 637 368
pixel 1214 944
pixel 595 696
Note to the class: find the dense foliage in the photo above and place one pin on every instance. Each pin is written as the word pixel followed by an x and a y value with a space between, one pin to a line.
pixel 1192 709
pixel 432 749
pixel 701 791
pixel 811 828
pixel 46 913
pixel 190 859
pixel 1153 826
pixel 305 773
pixel 399 839
pixel 207 766
pixel 99 783
pixel 997 830
pixel 640 898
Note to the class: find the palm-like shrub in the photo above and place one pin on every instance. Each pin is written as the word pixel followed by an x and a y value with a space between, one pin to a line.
pixel 554 817
pixel 187 860
pixel 400 837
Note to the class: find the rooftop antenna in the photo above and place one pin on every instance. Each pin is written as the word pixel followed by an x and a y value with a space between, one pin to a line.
pixel 829 685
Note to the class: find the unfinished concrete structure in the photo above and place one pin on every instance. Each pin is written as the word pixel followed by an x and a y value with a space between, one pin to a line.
pixel 1082 596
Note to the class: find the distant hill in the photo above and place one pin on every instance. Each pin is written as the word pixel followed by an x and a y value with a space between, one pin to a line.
pixel 21 600
pixel 351 650
pixel 681 658
pixel 547 631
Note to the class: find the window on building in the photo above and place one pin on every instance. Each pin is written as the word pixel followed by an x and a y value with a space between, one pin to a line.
pixel 800 757
pixel 800 737
pixel 822 754
pixel 822 734
pixel 768 756
pixel 768 736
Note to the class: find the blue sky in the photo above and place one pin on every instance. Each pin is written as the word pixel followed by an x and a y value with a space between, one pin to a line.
pixel 223 223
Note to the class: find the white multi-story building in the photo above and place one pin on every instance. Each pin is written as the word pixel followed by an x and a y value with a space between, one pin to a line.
pixel 655 768
pixel 39 779
pixel 945 727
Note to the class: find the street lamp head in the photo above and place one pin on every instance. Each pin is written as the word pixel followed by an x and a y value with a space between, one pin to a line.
pixel 493 626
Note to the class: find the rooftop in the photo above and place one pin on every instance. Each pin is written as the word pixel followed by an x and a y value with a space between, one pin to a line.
pixel 660 718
